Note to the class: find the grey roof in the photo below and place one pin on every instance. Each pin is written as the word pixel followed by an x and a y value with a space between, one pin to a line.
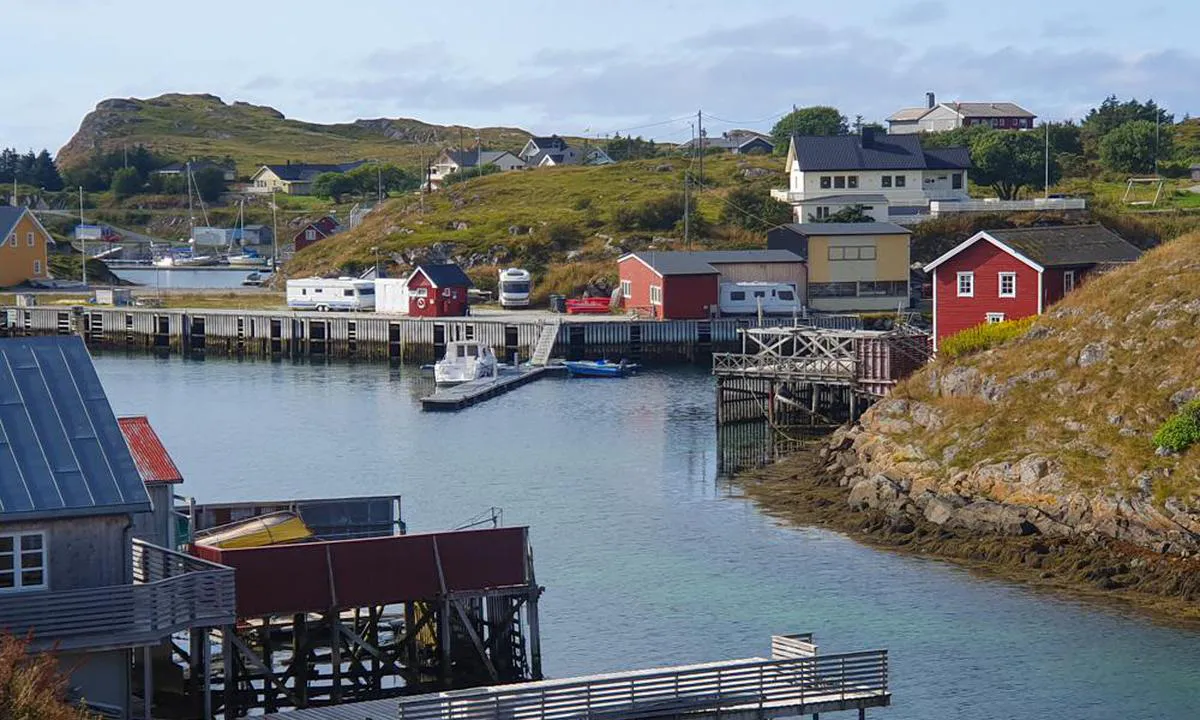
pixel 885 152
pixel 863 228
pixel 472 158
pixel 701 263
pixel 299 172
pixel 362 710
pixel 1064 245
pixel 62 452
pixel 847 199
pixel 753 139
pixel 988 109
pixel 9 216
pixel 448 275
pixel 553 142
pixel 909 114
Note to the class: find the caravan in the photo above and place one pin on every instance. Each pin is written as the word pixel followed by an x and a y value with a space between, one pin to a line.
pixel 324 294
pixel 515 287
pixel 748 298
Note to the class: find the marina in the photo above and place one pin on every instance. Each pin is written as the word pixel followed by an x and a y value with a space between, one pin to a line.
pixel 463 395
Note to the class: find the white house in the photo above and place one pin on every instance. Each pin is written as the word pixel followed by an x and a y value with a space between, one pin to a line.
pixel 452 161
pixel 827 173
pixel 936 117
pixel 553 150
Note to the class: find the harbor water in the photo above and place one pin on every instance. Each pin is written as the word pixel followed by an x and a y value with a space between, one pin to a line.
pixel 648 557
pixel 185 278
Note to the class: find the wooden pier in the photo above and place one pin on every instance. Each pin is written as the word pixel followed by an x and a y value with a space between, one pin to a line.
pixel 795 680
pixel 807 376
pixel 463 395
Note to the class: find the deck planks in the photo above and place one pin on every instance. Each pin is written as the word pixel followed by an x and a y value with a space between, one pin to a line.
pixel 458 397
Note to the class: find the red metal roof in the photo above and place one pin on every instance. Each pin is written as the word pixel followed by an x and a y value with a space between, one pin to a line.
pixel 153 461
pixel 318 576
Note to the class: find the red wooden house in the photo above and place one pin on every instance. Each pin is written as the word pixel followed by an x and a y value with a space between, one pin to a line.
pixel 315 232
pixel 999 275
pixel 438 291
pixel 686 285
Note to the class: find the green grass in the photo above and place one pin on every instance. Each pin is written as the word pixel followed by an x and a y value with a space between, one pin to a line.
pixel 982 337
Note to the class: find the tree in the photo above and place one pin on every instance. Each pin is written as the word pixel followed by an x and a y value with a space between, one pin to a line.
pixel 1129 148
pixel 126 182
pixel 815 120
pixel 1010 160
pixel 752 207
pixel 848 214
pixel 209 183
pixel 630 148
pixel 1113 113
pixel 45 172
pixel 31 685
pixel 461 175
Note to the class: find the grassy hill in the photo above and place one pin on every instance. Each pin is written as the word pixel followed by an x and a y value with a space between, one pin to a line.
pixel 181 126
pixel 542 218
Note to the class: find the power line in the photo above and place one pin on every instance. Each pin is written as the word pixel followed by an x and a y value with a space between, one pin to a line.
pixel 774 116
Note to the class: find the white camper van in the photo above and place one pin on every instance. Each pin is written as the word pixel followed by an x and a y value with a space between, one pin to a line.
pixel 516 285
pixel 746 298
pixel 331 294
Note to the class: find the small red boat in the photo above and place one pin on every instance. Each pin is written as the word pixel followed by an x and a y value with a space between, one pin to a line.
pixel 586 306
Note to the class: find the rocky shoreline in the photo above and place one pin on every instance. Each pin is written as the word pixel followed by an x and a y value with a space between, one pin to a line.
pixel 841 484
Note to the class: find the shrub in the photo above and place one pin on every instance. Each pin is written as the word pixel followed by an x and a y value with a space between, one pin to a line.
pixel 1181 430
pixel 982 337
pixel 661 213
pixel 563 235
pixel 31 685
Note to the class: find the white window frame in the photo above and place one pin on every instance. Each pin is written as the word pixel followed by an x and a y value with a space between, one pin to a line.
pixel 656 297
pixel 993 317
pixel 29 239
pixel 16 554
pixel 310 234
pixel 1068 281
pixel 37 267
pixel 627 289
pixel 970 278
pixel 1000 278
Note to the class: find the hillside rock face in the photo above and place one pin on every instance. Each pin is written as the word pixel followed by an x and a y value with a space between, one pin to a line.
pixel 1052 433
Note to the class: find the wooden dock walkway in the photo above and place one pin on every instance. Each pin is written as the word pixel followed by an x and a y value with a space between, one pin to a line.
pixel 457 397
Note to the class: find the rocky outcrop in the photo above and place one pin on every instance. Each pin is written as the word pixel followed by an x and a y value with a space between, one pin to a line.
pixel 1021 498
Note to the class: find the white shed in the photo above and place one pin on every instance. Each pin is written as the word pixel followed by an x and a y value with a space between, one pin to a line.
pixel 391 295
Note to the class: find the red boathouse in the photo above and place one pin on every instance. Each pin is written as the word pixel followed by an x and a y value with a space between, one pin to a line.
pixel 999 275
pixel 438 291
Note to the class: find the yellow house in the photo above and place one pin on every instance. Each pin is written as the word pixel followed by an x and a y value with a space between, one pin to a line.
pixel 24 248
pixel 294 178
pixel 852 267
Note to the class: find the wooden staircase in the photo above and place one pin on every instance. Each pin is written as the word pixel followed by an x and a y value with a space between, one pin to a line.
pixel 545 343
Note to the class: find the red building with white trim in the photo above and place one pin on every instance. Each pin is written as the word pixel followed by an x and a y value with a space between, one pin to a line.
pixel 998 275
pixel 438 291
pixel 687 285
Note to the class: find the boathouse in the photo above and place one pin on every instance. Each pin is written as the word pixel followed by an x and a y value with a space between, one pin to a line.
pixel 999 275
pixel 438 291
pixel 686 285
pixel 72 575
pixel 160 476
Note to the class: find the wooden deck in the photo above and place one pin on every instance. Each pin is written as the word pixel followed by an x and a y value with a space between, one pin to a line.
pixel 457 397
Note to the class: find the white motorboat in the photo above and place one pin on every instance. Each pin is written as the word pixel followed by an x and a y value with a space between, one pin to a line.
pixel 183 261
pixel 465 361
pixel 248 259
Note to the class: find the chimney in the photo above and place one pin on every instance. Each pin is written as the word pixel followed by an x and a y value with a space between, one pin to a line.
pixel 930 100
pixel 868 136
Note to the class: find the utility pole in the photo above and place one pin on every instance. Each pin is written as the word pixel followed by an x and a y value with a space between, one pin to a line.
pixel 687 209
pixel 1046 183
pixel 82 239
pixel 700 126
pixel 1157 123
pixel 379 167
pixel 274 233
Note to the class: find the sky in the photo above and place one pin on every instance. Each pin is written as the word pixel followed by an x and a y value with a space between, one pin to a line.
pixel 561 66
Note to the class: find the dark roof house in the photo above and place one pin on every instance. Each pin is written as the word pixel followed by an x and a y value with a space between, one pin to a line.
pixel 305 172
pixel 703 262
pixel 445 275
pixel 874 151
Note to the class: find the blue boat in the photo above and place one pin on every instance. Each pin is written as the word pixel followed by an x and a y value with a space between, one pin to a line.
pixel 600 368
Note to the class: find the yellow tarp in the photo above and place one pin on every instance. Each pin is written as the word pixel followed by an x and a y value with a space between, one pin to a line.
pixel 273 529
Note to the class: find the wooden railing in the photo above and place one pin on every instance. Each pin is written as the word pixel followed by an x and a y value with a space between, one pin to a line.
pixel 851 680
pixel 170 592
pixel 822 369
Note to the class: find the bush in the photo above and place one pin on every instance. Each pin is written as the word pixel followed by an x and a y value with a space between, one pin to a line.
pixel 661 213
pixel 982 337
pixel 1181 430
pixel 563 235
pixel 31 685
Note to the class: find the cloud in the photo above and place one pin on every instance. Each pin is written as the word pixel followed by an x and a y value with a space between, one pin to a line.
pixel 725 73
pixel 922 12
pixel 1068 27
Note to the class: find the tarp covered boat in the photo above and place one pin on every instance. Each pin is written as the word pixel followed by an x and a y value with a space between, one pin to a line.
pixel 600 368
pixel 272 529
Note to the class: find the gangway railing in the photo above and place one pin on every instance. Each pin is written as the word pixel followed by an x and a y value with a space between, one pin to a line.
pixel 767 687
pixel 823 369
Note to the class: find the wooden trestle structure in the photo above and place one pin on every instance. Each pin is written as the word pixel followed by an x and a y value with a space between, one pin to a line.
pixel 809 376
pixel 325 623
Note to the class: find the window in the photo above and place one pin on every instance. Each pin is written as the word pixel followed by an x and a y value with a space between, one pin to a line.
pixel 29 239
pixel 37 267
pixel 348 293
pixel 656 295
pixel 839 181
pixel 737 295
pixel 626 288
pixel 760 293
pixel 966 284
pixel 993 318
pixel 837 253
pixel 318 290
pixel 786 295
pixel 366 291
pixel 885 181
pixel 956 181
pixel 900 181
pixel 822 212
pixel 1068 281
pixel 1008 284
pixel 852 181
pixel 826 181
pixel 863 252
pixel 303 291
pixel 420 292
pixel 310 234
pixel 22 561
pixel 12 240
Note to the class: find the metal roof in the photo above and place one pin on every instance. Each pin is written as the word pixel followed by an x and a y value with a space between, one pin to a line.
pixel 61 451
pixel 701 263
pixel 863 228
pixel 988 109
pixel 909 114
pixel 446 275
pixel 9 216
pixel 365 710
pixel 303 172
pixel 153 461
pixel 882 152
